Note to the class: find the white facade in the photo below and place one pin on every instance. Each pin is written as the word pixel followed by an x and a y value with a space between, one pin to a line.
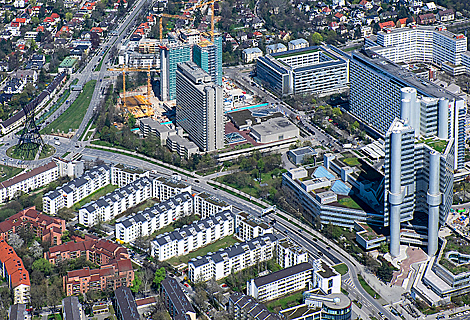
pixel 72 169
pixel 116 202
pixel 290 254
pixel 122 175
pixel 298 44
pixel 21 294
pixel 280 283
pixel 249 227
pixel 196 235
pixel 76 190
pixel 166 188
pixel 144 223
pixel 28 181
pixel 206 205
pixel 326 278
pixel 240 256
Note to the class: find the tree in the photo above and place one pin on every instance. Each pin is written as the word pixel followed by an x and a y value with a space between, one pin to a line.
pixel 36 250
pixel 136 283
pixel 131 121
pixel 68 16
pixel 354 126
pixel 42 265
pixel 317 38
pixel 15 241
pixel 160 275
pixel 383 247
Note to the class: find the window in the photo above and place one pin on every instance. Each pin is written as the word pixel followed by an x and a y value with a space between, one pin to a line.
pixel 330 283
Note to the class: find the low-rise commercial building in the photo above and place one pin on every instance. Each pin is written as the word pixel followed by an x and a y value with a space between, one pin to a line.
pixel 116 202
pixel 146 222
pixel 206 205
pixel 245 307
pixel 196 235
pixel 15 274
pixel 233 259
pixel 299 155
pixel 44 227
pixel 274 129
pixel 72 309
pixel 28 181
pixel 125 305
pixel 72 192
pixel 175 300
pixel 107 277
pixel 282 282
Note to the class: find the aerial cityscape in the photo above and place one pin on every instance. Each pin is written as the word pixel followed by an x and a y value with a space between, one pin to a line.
pixel 234 160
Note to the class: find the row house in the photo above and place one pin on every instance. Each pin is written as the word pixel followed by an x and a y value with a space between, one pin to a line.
pixel 15 274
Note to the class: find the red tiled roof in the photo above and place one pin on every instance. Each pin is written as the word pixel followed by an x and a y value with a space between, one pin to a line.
pixel 13 265
pixel 387 24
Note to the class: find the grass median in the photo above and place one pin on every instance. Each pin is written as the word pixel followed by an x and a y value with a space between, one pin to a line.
pixel 73 116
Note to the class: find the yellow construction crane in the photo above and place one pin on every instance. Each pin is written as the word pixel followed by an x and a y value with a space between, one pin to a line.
pixel 211 2
pixel 161 15
pixel 126 69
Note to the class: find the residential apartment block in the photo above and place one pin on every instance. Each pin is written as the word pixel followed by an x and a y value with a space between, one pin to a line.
pixel 166 188
pixel 116 202
pixel 191 237
pixel 98 251
pixel 206 205
pixel 28 181
pixel 325 278
pixel 312 70
pixel 175 300
pixel 72 192
pixel 15 274
pixel 125 304
pixel 249 227
pixel 107 277
pixel 146 222
pixel 72 309
pixel 290 254
pixel 245 307
pixel 122 175
pixel 44 227
pixel 280 283
pixel 18 312
pixel 233 259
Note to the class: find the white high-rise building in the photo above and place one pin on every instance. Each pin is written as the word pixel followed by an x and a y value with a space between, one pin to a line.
pixel 199 107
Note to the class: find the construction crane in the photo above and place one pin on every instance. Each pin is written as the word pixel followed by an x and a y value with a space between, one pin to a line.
pixel 211 2
pixel 126 69
pixel 161 15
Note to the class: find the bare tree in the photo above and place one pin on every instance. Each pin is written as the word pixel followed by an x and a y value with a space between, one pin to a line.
pixel 36 250
pixel 15 241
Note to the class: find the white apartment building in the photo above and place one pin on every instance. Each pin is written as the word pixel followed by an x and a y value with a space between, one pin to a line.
pixel 144 223
pixel 166 188
pixel 206 205
pixel 74 191
pixel 249 227
pixel 282 282
pixel 421 44
pixel 194 236
pixel 116 202
pixel 28 181
pixel 122 175
pixel 72 169
pixel 325 277
pixel 235 258
pixel 290 254
pixel 298 44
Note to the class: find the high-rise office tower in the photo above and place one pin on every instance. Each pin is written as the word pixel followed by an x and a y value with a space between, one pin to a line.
pixel 418 167
pixel 375 98
pixel 170 56
pixel 208 56
pixel 199 107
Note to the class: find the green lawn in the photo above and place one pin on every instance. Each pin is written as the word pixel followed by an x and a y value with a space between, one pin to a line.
pixel 341 268
pixel 352 162
pixel 284 303
pixel 95 195
pixel 7 172
pixel 46 151
pixel 65 154
pixel 366 287
pixel 73 116
pixel 349 202
pixel 213 247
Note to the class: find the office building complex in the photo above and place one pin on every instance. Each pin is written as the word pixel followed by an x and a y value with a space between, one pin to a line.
pixel 280 283
pixel 14 273
pixel 245 307
pixel 28 181
pixel 72 192
pixel 421 44
pixel 305 71
pixel 146 222
pixel 233 259
pixel 335 306
pixel 44 227
pixel 207 205
pixel 175 300
pixel 191 237
pixel 208 56
pixel 72 309
pixel 199 107
pixel 375 98
pixel 170 56
pixel 125 305
pixel 116 202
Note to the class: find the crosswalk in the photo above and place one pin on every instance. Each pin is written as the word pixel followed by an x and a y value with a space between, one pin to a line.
pixel 349 283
